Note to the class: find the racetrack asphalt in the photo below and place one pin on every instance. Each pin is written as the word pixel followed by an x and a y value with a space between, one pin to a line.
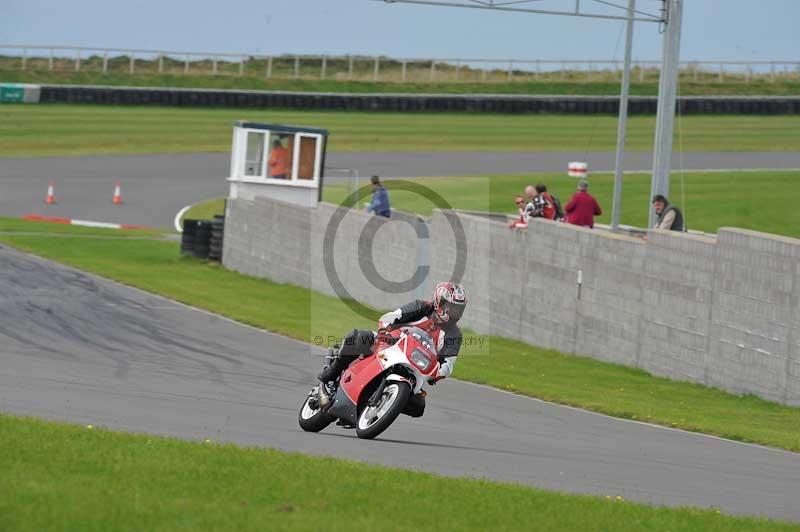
pixel 155 187
pixel 78 348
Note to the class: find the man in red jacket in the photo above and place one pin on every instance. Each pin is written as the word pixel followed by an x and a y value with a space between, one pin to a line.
pixel 582 207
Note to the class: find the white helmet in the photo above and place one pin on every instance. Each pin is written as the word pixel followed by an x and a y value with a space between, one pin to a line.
pixel 449 302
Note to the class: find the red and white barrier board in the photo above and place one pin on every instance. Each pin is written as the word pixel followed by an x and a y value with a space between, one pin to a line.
pixel 73 221
pixel 577 169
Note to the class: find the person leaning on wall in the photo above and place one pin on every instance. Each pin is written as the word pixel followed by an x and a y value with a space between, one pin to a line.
pixel 582 207
pixel 669 216
pixel 545 207
pixel 530 206
pixel 521 222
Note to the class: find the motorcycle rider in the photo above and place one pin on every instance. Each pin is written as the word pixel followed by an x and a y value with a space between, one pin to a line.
pixel 439 317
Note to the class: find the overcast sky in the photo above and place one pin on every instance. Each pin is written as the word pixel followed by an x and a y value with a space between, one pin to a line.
pixel 713 29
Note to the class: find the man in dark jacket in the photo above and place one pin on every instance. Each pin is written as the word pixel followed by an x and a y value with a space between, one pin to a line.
pixel 582 207
pixel 380 199
pixel 669 216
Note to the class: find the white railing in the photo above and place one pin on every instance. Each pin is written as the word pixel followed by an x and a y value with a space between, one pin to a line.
pixel 372 68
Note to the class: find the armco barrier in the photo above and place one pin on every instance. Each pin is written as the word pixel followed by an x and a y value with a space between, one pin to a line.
pixel 722 311
pixel 409 102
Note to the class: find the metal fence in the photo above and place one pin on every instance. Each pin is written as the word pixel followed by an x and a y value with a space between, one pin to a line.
pixel 374 68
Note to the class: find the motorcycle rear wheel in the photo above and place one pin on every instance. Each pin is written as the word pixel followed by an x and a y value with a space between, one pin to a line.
pixel 313 419
pixel 374 420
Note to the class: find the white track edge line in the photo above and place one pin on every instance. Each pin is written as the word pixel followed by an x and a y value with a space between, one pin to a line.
pixel 89 223
pixel 177 220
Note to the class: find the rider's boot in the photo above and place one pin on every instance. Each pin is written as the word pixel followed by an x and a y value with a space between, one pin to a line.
pixel 329 374
pixel 322 396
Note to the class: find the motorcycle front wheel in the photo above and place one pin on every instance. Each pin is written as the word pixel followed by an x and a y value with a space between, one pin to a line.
pixel 372 420
pixel 313 419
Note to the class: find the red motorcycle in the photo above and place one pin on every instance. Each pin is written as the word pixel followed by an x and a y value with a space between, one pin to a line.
pixel 375 389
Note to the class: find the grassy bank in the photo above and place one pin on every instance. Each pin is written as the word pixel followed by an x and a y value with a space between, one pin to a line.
pixel 41 130
pixel 67 477
pixel 550 84
pixel 611 389
pixel 713 199
pixel 205 210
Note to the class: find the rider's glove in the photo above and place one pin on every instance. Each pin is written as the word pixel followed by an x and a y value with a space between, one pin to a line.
pixel 433 380
pixel 385 336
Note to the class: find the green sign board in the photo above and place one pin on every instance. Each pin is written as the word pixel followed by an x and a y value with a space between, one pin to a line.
pixel 12 93
pixel 19 93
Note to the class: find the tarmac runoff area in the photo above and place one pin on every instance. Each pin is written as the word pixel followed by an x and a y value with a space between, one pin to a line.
pixel 156 187
pixel 77 348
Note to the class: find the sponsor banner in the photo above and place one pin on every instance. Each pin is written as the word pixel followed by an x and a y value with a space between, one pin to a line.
pixel 19 93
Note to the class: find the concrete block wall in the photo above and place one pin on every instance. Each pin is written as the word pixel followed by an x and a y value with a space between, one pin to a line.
pixel 754 318
pixel 268 239
pixel 552 264
pixel 611 297
pixel 718 311
pixel 486 266
pixel 392 248
pixel 676 305
pixel 284 242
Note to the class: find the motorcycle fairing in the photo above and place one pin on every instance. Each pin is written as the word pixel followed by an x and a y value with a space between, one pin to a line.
pixel 351 385
pixel 343 407
pixel 359 375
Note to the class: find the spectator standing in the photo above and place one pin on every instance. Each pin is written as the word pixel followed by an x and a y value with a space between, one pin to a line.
pixel 279 166
pixel 669 216
pixel 380 198
pixel 582 207
pixel 544 205
pixel 522 219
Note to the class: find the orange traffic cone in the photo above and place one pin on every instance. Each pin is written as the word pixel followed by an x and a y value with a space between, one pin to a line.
pixel 50 199
pixel 117 199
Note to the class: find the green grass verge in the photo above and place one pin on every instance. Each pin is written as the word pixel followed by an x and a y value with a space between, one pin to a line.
pixel 205 210
pixel 510 365
pixel 713 199
pixel 40 130
pixel 68 477
pixel 782 86
pixel 18 225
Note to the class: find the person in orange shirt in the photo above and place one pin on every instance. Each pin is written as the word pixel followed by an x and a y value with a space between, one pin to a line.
pixel 279 166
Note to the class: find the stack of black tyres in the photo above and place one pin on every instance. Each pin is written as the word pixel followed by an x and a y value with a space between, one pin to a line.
pixel 188 237
pixel 217 232
pixel 202 239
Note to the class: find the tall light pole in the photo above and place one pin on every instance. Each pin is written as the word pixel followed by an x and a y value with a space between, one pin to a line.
pixel 667 94
pixel 622 124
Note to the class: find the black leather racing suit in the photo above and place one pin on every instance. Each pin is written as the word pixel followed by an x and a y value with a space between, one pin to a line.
pixel 360 341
